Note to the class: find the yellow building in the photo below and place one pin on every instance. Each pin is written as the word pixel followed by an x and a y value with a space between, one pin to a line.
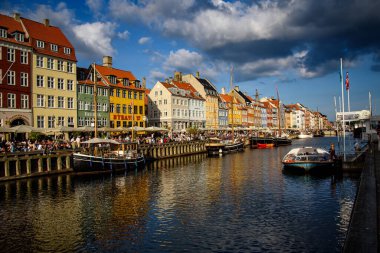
pixel 53 76
pixel 127 95
pixel 234 110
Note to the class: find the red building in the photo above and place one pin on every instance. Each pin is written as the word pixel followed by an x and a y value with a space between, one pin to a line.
pixel 15 73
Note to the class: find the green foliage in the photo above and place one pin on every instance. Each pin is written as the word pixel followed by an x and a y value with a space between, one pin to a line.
pixel 36 136
pixel 192 130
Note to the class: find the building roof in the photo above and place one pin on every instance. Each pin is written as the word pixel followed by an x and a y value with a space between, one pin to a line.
pixel 12 26
pixel 206 84
pixel 188 87
pixel 49 34
pixel 105 72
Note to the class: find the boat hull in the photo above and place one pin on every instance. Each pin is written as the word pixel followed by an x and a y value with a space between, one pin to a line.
pixel 328 166
pixel 87 163
pixel 222 148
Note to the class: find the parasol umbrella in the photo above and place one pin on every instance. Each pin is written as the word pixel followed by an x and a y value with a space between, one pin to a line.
pixel 106 129
pixel 6 130
pixel 26 129
pixel 85 129
pixel 99 140
pixel 155 129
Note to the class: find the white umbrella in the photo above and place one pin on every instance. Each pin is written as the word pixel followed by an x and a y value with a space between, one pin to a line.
pixel 136 128
pixel 85 129
pixel 60 129
pixel 106 129
pixel 155 129
pixel 6 130
pixel 26 129
pixel 99 140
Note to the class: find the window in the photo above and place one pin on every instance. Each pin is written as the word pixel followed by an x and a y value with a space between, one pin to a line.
pixel 140 109
pixel 112 108
pixel 98 107
pixel 70 103
pixel 51 101
pixel 61 102
pixel 118 93
pixel 81 105
pixel 54 47
pixel 40 100
pixel 50 63
pixel 24 101
pixel 117 108
pixel 105 92
pixel 40 121
pixel 70 85
pixel 66 50
pixel 3 33
pixel 135 95
pixel 105 108
pixel 129 94
pixel 140 95
pixel 70 121
pixel 24 79
pixel 60 84
pixel 61 121
pixel 165 101
pixel 50 82
pixel 129 109
pixel 40 44
pixel 11 78
pixel 69 67
pixel 40 81
pixel 11 100
pixel 40 61
pixel 24 57
pixel 112 79
pixel 51 121
pixel 80 121
pixel 111 92
pixel 60 65
pixel 125 82
pixel 11 55
pixel 124 93
pixel 124 109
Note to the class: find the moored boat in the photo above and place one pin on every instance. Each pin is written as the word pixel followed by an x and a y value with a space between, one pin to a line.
pixel 309 159
pixel 101 157
pixel 265 145
pixel 304 136
pixel 216 146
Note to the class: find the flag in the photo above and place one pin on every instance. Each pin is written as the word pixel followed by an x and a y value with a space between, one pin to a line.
pixel 347 82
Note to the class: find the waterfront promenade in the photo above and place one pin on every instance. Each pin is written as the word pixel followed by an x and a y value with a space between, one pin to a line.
pixel 364 233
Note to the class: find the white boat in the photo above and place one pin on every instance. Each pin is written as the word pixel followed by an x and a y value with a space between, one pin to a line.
pixel 305 136
pixel 308 159
pixel 101 157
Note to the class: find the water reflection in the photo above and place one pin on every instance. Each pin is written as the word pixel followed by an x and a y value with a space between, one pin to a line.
pixel 240 202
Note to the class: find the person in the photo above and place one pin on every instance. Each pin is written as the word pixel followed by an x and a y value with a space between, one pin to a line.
pixel 332 152
pixel 357 146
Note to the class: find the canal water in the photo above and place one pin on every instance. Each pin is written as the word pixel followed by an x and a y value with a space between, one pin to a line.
pixel 241 202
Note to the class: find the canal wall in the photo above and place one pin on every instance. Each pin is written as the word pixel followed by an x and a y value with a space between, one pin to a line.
pixel 363 233
pixel 30 164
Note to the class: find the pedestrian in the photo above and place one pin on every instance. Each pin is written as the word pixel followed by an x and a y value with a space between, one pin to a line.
pixel 332 152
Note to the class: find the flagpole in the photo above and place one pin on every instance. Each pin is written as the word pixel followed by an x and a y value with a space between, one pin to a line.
pixel 348 100
pixel 370 103
pixel 336 125
pixel 343 122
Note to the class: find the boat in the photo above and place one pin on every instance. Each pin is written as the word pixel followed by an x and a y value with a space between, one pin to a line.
pixel 304 136
pixel 216 146
pixel 100 156
pixel 282 141
pixel 265 145
pixel 308 159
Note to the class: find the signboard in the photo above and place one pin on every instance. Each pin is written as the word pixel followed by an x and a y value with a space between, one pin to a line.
pixel 353 116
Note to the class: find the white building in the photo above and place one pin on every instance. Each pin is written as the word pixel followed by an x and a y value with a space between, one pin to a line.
pixel 176 105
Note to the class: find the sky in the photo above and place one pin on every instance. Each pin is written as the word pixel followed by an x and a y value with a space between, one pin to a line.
pixel 293 46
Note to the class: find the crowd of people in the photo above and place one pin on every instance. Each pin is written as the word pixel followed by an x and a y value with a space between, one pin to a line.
pixel 50 144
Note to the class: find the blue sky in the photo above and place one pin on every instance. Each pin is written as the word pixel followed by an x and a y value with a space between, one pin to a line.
pixel 295 45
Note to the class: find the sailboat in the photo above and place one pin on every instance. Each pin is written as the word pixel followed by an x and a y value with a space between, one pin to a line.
pixel 102 155
pixel 216 146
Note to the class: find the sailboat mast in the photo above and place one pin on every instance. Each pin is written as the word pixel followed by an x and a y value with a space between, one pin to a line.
pixel 279 114
pixel 232 101
pixel 95 105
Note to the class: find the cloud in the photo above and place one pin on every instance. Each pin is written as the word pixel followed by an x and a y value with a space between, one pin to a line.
pixel 253 34
pixel 95 5
pixel 123 35
pixel 144 40
pixel 183 60
pixel 96 36
pixel 157 75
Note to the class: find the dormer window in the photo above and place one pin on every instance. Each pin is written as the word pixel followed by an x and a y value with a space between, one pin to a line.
pixel 3 32
pixel 125 82
pixel 137 84
pixel 40 44
pixel 54 47
pixel 19 37
pixel 112 79
pixel 67 50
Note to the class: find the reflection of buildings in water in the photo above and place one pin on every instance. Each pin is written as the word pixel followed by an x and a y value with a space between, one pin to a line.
pixel 46 224
pixel 176 161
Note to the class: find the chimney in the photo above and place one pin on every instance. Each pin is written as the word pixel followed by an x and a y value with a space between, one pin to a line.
pixel 237 88
pixel 144 82
pixel 223 91
pixel 197 74
pixel 16 16
pixel 177 76
pixel 107 61
pixel 46 22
